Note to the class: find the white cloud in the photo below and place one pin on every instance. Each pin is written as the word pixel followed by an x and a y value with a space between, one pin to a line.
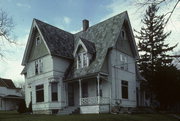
pixel 10 66
pixel 11 70
pixel 66 20
pixel 76 31
pixel 136 14
pixel 23 5
pixel 62 22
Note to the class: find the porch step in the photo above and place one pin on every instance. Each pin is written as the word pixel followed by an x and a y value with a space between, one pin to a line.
pixel 69 110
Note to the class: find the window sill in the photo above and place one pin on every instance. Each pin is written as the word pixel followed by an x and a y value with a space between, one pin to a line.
pixel 82 68
pixel 124 99
pixel 55 101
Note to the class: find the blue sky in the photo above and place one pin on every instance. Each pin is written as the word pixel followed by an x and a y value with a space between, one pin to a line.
pixel 67 15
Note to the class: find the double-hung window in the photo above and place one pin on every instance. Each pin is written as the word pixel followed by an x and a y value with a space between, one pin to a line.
pixel 40 93
pixel 38 66
pixel 82 60
pixel 124 62
pixel 54 91
pixel 124 89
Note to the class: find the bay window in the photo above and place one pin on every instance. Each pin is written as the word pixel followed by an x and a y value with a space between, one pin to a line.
pixel 54 91
pixel 40 93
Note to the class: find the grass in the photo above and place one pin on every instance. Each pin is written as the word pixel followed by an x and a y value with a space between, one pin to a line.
pixel 14 116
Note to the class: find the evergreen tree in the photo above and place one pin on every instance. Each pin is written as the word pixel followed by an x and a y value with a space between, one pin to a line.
pixel 152 47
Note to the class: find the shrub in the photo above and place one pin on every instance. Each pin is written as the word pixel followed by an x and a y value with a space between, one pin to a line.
pixel 22 107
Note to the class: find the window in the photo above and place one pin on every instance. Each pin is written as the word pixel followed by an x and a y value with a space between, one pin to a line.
pixel 38 66
pixel 124 89
pixel 54 91
pixel 82 60
pixel 124 62
pixel 38 40
pixel 123 34
pixel 84 89
pixel 40 93
pixel 0 102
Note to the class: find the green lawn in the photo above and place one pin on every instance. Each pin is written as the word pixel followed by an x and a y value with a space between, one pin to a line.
pixel 13 116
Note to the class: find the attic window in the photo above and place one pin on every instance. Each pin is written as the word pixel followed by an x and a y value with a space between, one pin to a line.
pixel 38 40
pixel 123 34
pixel 82 60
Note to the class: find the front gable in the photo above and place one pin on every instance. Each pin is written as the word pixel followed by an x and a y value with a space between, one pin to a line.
pixel 31 51
pixel 79 48
pixel 37 49
pixel 125 42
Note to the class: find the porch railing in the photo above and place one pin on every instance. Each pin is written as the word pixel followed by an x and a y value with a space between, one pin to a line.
pixel 94 100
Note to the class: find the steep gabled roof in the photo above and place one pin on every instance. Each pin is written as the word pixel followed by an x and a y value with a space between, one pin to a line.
pixel 98 38
pixel 104 35
pixel 7 83
pixel 58 42
pixel 90 46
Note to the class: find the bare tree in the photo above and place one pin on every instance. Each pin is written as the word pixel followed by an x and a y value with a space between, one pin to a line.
pixel 6 27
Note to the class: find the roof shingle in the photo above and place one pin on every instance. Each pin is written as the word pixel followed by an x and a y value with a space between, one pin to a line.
pixel 59 42
pixel 7 83
pixel 104 35
pixel 89 45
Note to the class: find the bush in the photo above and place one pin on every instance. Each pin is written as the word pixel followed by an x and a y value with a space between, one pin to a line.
pixel 30 107
pixel 22 107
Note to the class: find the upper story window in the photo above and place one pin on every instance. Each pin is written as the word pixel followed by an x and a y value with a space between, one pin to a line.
pixel 124 62
pixel 123 34
pixel 38 66
pixel 38 40
pixel 82 60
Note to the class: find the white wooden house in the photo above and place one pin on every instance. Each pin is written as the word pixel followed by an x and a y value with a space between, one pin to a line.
pixel 10 96
pixel 90 70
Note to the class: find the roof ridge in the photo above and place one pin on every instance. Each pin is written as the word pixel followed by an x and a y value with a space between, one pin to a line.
pixel 51 25
pixel 86 40
pixel 124 12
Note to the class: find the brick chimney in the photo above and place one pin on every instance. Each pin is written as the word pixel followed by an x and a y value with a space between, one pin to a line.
pixel 85 24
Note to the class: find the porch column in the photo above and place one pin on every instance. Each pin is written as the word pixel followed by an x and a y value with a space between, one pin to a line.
pixel 98 89
pixel 80 92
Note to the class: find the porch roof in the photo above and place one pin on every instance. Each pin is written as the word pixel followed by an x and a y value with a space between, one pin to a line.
pixel 12 97
pixel 91 75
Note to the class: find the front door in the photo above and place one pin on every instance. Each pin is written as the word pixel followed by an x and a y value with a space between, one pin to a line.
pixel 84 89
pixel 71 94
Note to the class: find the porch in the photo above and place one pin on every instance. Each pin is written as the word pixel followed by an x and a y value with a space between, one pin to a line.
pixel 89 92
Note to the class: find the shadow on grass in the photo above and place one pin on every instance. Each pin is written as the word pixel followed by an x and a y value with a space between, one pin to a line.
pixel 14 116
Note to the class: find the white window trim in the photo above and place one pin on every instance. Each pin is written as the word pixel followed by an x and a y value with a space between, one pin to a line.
pixel 82 60
pixel 38 41
pixel 124 62
pixel 123 85
pixel 39 64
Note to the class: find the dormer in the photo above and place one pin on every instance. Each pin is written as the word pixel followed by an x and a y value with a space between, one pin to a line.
pixel 84 53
